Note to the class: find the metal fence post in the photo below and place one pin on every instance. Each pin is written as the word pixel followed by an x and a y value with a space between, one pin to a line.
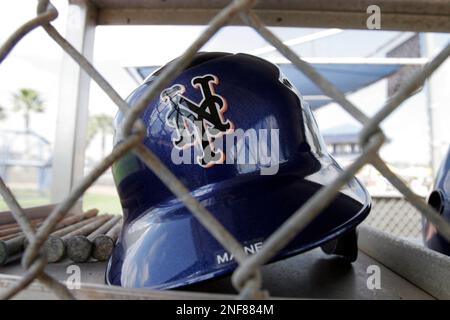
pixel 70 137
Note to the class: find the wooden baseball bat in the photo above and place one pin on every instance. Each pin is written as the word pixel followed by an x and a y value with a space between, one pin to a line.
pixel 13 247
pixel 80 247
pixel 56 244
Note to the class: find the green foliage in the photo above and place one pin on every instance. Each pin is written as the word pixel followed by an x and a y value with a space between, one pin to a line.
pixel 101 123
pixel 27 101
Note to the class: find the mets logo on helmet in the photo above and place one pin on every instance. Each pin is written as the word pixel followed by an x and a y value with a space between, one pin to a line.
pixel 198 124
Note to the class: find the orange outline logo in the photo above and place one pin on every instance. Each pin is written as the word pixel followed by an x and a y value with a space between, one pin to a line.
pixel 198 124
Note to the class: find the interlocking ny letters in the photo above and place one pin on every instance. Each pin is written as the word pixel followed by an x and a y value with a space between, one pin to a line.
pixel 198 124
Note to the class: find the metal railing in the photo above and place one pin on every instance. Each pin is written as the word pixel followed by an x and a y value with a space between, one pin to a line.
pixel 247 277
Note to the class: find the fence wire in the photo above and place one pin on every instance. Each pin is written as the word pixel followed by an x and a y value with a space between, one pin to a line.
pixel 396 216
pixel 247 277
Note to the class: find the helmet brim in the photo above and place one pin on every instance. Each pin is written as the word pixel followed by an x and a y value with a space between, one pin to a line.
pixel 166 246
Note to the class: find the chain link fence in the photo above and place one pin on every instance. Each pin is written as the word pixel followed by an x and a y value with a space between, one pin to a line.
pixel 247 277
pixel 395 215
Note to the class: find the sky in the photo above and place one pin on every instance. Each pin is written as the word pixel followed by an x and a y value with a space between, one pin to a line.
pixel 35 63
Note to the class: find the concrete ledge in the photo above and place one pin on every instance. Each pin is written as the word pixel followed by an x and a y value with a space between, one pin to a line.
pixel 427 269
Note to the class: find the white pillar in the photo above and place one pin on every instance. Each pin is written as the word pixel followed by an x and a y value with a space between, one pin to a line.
pixel 72 119
pixel 433 90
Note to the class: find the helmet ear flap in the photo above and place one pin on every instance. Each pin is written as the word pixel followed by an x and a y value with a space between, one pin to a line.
pixel 345 246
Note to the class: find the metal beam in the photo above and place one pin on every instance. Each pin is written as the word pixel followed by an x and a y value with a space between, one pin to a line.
pixel 70 138
pixel 435 104
pixel 407 15
pixel 277 18
pixel 88 291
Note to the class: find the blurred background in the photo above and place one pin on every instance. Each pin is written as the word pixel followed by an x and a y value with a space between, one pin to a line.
pixel 368 66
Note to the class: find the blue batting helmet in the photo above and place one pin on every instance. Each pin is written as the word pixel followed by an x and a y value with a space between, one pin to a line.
pixel 439 199
pixel 240 137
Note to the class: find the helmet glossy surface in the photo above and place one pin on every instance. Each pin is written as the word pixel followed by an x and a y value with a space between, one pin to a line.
pixel 251 189
pixel 439 199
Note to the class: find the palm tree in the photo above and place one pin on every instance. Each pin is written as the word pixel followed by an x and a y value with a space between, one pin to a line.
pixel 103 124
pixel 27 101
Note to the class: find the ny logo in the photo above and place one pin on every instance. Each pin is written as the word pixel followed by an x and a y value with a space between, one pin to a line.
pixel 198 124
